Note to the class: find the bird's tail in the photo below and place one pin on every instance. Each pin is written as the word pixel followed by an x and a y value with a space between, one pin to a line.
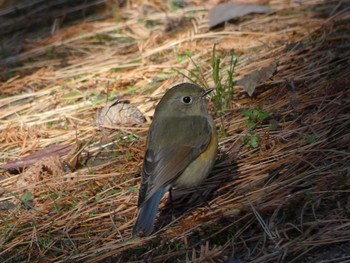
pixel 147 214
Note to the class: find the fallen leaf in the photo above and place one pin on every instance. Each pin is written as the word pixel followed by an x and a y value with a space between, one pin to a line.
pixel 119 112
pixel 227 11
pixel 47 167
pixel 15 166
pixel 250 81
pixel 7 205
pixel 212 3
pixel 261 2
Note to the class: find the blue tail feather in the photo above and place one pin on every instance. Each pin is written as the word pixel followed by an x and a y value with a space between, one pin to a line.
pixel 147 214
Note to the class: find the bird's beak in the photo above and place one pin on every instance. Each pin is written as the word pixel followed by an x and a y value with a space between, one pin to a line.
pixel 206 92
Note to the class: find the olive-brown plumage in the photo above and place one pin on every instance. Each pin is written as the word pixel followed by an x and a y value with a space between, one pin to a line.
pixel 181 149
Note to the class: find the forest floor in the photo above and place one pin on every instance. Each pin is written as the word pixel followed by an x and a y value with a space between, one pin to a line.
pixel 69 179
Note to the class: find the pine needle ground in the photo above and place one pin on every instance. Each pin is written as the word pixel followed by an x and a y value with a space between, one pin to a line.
pixel 285 200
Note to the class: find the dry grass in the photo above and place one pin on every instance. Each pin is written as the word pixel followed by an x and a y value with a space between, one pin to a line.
pixel 285 201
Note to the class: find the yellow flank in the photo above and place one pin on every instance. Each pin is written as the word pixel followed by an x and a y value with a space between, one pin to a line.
pixel 198 170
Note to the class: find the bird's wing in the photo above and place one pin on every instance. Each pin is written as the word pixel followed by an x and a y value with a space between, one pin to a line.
pixel 172 145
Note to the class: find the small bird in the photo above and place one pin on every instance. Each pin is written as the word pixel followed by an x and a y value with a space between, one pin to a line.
pixel 181 149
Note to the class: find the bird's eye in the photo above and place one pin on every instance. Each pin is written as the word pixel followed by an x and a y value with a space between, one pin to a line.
pixel 186 99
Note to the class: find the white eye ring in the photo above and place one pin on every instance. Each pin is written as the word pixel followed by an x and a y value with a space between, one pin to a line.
pixel 186 100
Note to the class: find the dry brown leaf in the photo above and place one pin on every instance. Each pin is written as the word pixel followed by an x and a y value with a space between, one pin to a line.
pixel 259 2
pixel 15 166
pixel 227 11
pixel 119 112
pixel 253 79
pixel 212 3
pixel 47 167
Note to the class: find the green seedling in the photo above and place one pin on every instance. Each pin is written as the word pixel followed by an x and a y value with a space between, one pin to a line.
pixel 255 118
pixel 224 91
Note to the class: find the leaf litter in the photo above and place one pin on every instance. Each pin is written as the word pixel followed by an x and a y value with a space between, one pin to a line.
pixel 285 200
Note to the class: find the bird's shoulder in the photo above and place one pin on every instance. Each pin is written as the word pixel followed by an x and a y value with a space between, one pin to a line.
pixel 181 131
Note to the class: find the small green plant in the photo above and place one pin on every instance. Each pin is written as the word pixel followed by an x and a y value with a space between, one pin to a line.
pixel 255 117
pixel 311 138
pixel 131 137
pixel 223 130
pixel 223 81
pixel 224 92
pixel 151 23
pixel 54 197
pixel 113 191
pixel 71 97
pixel 133 189
pixel 194 74
pixel 103 38
pixel 44 240
pixel 27 198
pixel 273 125
pixel 251 140
pixel 182 56
pixel 98 197
pixel 7 227
pixel 90 171
pixel 176 4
